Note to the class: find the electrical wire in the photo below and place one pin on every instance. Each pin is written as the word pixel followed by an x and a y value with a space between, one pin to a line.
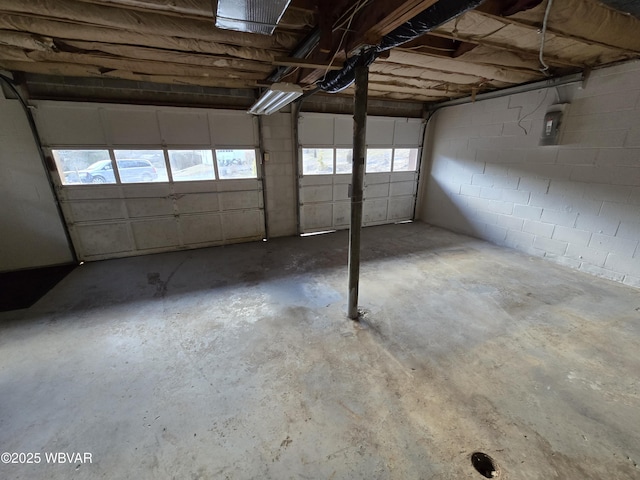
pixel 545 67
pixel 356 9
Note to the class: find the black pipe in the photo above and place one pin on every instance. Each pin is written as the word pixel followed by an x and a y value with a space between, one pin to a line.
pixel 431 18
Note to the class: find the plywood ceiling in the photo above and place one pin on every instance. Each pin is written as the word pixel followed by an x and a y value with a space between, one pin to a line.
pixel 494 46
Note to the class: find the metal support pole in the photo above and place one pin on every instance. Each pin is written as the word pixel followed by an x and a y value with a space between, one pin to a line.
pixel 357 180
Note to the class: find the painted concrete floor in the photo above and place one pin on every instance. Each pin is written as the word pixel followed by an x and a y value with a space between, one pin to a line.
pixel 238 362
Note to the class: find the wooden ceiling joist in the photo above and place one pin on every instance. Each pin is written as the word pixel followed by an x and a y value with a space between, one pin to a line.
pixel 550 59
pixel 381 17
pixel 487 10
pixel 149 23
pixel 70 31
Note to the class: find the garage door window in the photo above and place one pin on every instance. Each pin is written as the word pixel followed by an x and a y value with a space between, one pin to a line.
pixel 84 166
pixel 190 165
pixel 405 159
pixel 141 166
pixel 317 161
pixel 378 160
pixel 236 163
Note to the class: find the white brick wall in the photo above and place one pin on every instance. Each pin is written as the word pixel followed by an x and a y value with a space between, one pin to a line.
pixel 280 177
pixel 32 231
pixel 577 203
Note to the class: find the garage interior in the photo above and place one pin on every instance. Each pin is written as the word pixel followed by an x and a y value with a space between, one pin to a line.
pixel 174 269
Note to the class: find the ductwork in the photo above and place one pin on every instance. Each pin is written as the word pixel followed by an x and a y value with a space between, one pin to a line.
pixel 630 7
pixel 431 18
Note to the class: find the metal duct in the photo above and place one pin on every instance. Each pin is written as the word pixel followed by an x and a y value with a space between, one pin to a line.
pixel 631 7
pixel 252 16
pixel 424 22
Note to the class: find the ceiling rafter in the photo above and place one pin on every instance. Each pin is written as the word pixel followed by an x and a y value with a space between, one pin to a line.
pixel 440 46
pixel 150 23
pixel 487 10
pixel 382 17
pixel 551 59
pixel 69 31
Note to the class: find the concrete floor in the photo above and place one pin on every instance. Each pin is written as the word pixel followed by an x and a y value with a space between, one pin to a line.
pixel 238 362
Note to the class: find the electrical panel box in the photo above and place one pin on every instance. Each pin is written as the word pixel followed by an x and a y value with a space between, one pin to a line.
pixel 551 129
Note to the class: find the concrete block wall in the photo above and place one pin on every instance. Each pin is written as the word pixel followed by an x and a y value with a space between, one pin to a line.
pixel 280 175
pixel 577 203
pixel 32 231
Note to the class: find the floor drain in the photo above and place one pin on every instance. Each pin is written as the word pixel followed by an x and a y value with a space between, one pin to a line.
pixel 484 464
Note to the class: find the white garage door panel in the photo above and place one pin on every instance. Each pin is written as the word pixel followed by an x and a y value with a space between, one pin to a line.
pixel 404 177
pixel 402 188
pixel 155 233
pixel 343 133
pixel 88 210
pixel 248 224
pixel 149 207
pixel 240 200
pixel 197 202
pixel 117 220
pixel 341 191
pixel 131 127
pixel 376 191
pixel 312 180
pixel 401 208
pixel 102 240
pixel 341 214
pixel 233 128
pixel 190 128
pixel 374 211
pixel 317 193
pixel 146 190
pixel 380 131
pixel 408 132
pixel 94 192
pixel 317 217
pixel 69 125
pixel 316 130
pixel 201 229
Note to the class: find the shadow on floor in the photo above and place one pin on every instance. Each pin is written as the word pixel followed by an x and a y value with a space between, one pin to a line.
pixel 23 288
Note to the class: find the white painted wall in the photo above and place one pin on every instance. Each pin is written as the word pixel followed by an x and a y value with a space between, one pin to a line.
pixel 577 203
pixel 32 231
pixel 280 175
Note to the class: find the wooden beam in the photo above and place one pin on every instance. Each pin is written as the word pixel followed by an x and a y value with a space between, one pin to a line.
pixel 110 62
pixel 530 25
pixel 308 5
pixel 304 63
pixel 381 17
pixel 70 31
pixel 74 70
pixel 148 23
pixel 552 60
pixel 440 46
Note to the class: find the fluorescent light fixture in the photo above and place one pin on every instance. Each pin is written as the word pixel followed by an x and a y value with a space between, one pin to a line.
pixel 278 95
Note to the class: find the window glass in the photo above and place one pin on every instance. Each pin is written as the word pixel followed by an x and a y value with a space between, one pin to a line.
pixel 378 160
pixel 405 159
pixel 236 163
pixel 189 165
pixel 84 166
pixel 141 166
pixel 317 161
pixel 344 160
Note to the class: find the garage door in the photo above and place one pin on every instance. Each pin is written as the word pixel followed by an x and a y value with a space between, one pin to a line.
pixel 391 170
pixel 135 180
